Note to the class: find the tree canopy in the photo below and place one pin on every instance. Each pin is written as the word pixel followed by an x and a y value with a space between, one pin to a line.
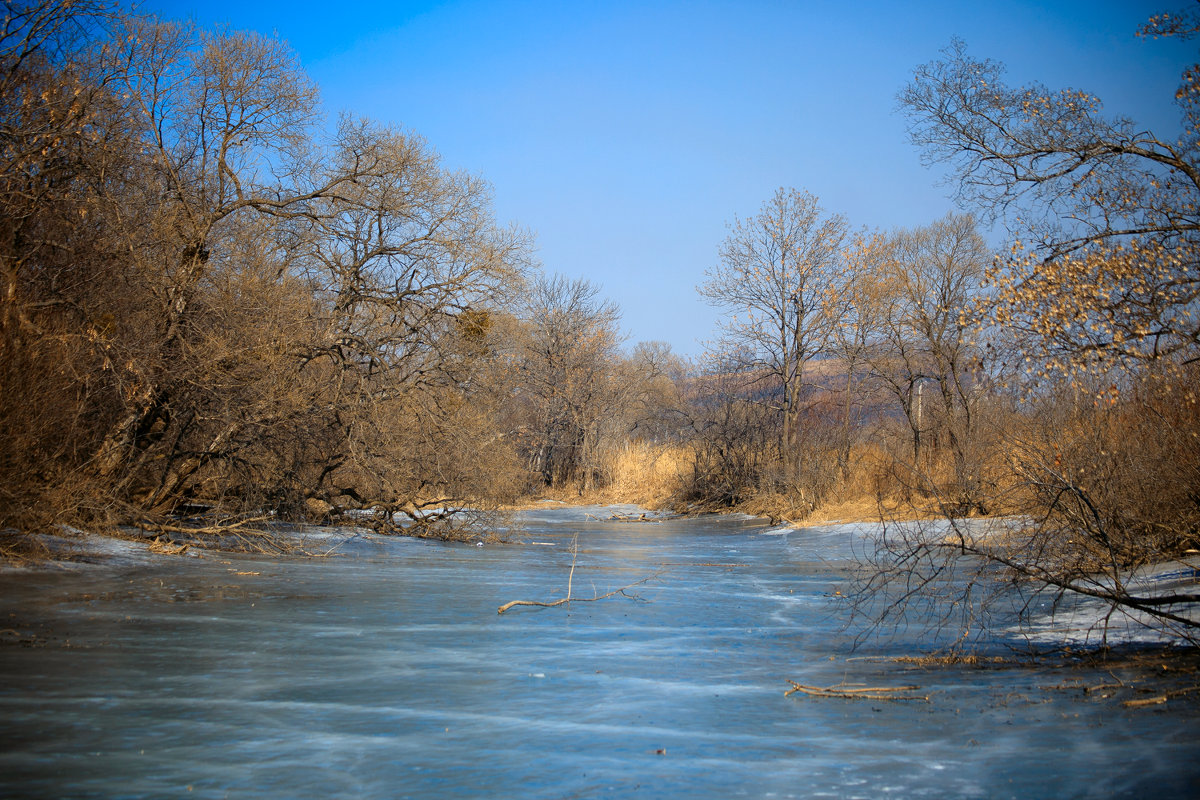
pixel 1105 215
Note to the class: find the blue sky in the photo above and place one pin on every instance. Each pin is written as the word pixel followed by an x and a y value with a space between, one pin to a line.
pixel 627 135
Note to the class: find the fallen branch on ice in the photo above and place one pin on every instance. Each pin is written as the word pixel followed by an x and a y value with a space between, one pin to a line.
pixel 625 518
pixel 1160 699
pixel 570 599
pixel 570 581
pixel 859 692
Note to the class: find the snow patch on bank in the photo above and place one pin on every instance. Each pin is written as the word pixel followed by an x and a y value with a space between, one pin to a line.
pixel 1091 622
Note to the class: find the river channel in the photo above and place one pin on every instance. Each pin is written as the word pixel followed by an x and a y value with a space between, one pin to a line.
pixel 384 671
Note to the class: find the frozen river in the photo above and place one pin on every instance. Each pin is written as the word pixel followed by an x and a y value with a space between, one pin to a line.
pixel 385 672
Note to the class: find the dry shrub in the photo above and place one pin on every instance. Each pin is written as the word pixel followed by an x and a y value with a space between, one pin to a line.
pixel 1114 475
pixel 1099 481
pixel 164 346
pixel 867 488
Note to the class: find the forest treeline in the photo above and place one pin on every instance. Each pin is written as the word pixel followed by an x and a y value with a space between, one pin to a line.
pixel 215 299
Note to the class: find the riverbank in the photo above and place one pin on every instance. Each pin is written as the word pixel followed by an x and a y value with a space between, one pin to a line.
pixel 776 508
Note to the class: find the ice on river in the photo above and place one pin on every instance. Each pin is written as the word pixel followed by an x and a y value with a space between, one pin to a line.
pixel 384 671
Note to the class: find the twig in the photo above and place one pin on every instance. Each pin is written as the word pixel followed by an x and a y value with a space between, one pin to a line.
pixel 247 532
pixel 219 527
pixel 330 551
pixel 574 555
pixel 1100 687
pixel 858 693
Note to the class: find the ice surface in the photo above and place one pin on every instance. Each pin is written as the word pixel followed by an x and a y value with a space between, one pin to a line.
pixel 386 672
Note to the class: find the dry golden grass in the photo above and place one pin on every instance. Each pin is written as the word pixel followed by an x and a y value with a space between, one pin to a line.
pixel 857 509
pixel 644 474
pixel 868 491
pixel 649 474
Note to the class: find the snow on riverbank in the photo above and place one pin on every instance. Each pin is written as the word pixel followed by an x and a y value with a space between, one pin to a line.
pixel 1092 622
pixel 1051 617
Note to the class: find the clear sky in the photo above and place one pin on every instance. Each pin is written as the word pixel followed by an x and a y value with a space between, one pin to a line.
pixel 626 135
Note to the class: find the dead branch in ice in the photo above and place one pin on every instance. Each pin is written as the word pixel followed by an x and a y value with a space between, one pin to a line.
pixel 249 534
pixel 852 692
pixel 568 599
pixel 570 580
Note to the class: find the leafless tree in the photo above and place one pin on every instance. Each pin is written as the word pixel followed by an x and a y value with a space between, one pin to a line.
pixel 565 353
pixel 1103 212
pixel 781 276
pixel 735 438
pixel 921 291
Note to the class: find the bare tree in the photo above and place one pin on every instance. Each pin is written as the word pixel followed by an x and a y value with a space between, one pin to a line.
pixel 1105 259
pixel 781 275
pixel 735 438
pixel 404 261
pixel 921 292
pixel 209 300
pixel 219 116
pixel 63 290
pixel 565 355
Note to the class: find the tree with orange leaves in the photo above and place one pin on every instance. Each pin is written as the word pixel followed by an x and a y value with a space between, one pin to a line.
pixel 1105 215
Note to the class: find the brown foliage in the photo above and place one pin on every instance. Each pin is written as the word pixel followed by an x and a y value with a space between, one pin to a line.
pixel 205 301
